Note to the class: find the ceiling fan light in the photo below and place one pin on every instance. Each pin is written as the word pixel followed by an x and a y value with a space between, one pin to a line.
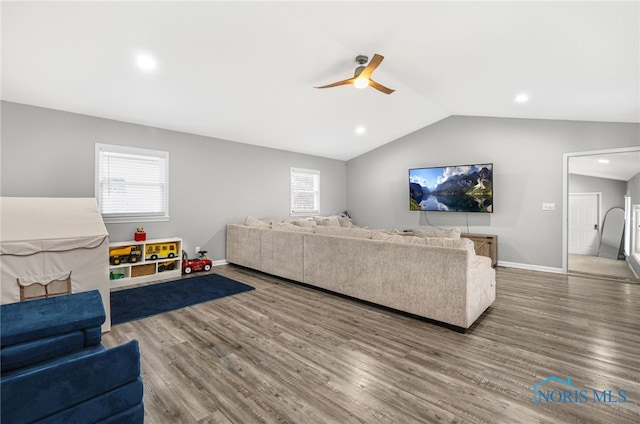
pixel 361 82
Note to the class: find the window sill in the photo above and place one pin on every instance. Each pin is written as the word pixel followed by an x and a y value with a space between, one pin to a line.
pixel 134 219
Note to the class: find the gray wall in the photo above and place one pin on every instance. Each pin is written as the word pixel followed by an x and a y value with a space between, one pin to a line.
pixel 528 171
pixel 613 191
pixel 633 189
pixel 49 153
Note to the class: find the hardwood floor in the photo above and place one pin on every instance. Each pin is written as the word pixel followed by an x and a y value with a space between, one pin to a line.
pixel 285 353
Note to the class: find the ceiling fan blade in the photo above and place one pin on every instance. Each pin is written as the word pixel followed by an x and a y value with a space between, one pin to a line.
pixel 373 64
pixel 336 84
pixel 380 87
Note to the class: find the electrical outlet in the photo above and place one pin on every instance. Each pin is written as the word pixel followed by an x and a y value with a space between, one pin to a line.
pixel 548 206
pixel 197 250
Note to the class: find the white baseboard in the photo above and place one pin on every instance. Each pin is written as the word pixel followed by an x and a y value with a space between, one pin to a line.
pixel 219 262
pixel 531 267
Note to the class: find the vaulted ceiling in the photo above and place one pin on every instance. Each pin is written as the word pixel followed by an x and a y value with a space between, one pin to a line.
pixel 245 71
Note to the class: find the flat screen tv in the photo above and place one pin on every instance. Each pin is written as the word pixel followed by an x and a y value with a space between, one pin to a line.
pixel 462 188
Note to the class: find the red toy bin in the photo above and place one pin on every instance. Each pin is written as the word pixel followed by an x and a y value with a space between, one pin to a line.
pixel 140 236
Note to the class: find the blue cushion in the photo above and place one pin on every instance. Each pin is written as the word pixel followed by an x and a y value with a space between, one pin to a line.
pixel 92 336
pixel 133 415
pixel 36 319
pixel 119 402
pixel 52 362
pixel 24 354
pixel 61 384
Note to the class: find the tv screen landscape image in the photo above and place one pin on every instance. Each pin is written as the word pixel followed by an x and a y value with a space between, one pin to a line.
pixel 462 188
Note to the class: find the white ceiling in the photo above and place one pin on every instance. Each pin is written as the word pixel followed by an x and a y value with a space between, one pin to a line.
pixel 613 166
pixel 245 71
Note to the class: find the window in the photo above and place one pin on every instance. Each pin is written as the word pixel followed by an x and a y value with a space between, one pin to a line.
pixel 132 185
pixel 305 192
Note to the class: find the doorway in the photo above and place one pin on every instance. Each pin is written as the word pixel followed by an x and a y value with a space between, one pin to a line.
pixel 584 210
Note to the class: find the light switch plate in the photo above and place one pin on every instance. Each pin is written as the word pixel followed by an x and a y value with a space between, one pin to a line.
pixel 548 206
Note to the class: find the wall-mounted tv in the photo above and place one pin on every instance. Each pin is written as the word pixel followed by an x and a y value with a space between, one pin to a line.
pixel 462 188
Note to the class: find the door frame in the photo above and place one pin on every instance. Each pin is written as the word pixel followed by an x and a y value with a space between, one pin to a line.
pixel 565 194
pixel 598 195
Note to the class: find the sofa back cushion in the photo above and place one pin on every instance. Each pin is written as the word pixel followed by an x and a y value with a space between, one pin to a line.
pixel 255 222
pixel 344 232
pixel 453 233
pixel 345 221
pixel 328 221
pixel 395 238
pixel 462 243
pixel 285 226
pixel 307 223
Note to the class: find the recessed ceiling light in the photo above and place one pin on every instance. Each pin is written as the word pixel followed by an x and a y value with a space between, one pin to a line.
pixel 360 129
pixel 521 98
pixel 603 160
pixel 146 62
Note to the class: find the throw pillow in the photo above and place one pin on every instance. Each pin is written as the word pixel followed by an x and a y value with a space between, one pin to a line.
pixel 255 222
pixel 307 223
pixel 345 221
pixel 328 221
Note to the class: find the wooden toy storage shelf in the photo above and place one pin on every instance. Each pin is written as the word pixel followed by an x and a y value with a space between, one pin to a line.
pixel 134 262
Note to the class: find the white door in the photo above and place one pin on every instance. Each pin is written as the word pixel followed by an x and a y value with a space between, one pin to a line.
pixel 584 223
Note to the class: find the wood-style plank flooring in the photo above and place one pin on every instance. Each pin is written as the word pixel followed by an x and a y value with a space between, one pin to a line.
pixel 285 353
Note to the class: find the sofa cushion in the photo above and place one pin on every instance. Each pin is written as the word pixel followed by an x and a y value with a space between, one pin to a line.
pixel 344 232
pixel 32 352
pixel 345 221
pixel 243 245
pixel 279 220
pixel 453 233
pixel 255 222
pixel 282 252
pixel 69 383
pixel 40 318
pixel 328 221
pixel 463 243
pixel 395 238
pixel 285 226
pixel 121 405
pixel 307 223
pixel 92 336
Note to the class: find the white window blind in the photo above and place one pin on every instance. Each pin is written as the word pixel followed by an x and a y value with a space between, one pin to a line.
pixel 305 192
pixel 132 184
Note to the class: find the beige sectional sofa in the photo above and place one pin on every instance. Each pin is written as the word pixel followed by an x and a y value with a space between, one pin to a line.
pixel 432 274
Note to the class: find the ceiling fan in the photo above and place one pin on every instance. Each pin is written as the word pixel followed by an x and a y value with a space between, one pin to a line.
pixel 362 75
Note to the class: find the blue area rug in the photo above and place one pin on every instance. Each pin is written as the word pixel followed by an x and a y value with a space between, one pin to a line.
pixel 140 302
